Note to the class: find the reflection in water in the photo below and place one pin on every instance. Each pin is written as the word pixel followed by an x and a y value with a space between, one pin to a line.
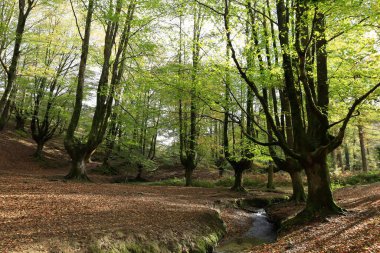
pixel 262 231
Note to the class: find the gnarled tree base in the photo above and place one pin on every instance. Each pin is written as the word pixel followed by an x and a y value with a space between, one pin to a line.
pixel 77 177
pixel 311 213
pixel 78 171
pixel 238 188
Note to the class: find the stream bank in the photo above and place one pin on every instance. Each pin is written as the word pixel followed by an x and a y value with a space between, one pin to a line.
pixel 261 229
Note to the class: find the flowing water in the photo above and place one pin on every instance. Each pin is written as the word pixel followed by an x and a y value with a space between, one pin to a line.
pixel 261 231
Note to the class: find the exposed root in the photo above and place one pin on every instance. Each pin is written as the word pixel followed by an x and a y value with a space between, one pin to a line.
pixel 77 177
pixel 310 214
pixel 238 189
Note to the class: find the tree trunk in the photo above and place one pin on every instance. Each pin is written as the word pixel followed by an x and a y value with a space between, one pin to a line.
pixel 4 117
pixel 139 172
pixel 333 160
pixel 347 158
pixel 40 147
pixel 20 123
pixel 297 185
pixel 270 184
pixel 339 158
pixel 363 150
pixel 238 183
pixel 73 146
pixel 78 169
pixel 320 200
pixel 188 176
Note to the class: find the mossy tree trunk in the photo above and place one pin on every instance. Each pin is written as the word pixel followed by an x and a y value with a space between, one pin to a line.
pixel 298 194
pixel 188 176
pixel 78 164
pixel 80 153
pixel 74 147
pixel 308 99
pixel 20 122
pixel 39 149
pixel 188 140
pixel 238 181
pixel 270 172
pixel 320 201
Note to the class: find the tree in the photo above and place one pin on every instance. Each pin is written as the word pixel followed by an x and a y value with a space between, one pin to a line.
pixel 240 159
pixel 188 140
pixel 74 147
pixel 312 142
pixel 109 82
pixel 51 72
pixel 24 8
pixel 363 150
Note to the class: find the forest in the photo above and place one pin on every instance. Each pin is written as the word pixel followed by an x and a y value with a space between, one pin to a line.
pixel 189 126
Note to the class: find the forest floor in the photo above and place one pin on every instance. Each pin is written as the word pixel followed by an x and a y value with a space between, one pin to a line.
pixel 41 212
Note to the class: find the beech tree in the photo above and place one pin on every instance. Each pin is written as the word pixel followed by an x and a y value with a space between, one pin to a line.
pixel 312 141
pixel 24 9
pixel 75 148
pixel 109 80
pixel 188 134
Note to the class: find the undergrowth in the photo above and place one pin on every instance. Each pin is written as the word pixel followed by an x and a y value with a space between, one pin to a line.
pixel 355 179
pixel 223 182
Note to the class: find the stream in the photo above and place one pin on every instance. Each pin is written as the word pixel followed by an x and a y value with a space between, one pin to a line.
pixel 261 231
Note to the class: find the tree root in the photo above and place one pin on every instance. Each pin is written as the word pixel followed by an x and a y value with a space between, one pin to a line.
pixel 310 214
pixel 77 177
pixel 238 189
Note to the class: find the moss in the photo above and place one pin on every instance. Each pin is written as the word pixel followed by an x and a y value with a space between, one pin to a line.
pixel 192 241
pixel 127 247
pixel 206 244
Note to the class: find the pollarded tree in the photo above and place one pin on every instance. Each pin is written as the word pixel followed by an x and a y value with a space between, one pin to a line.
pixel 54 60
pixel 240 158
pixel 73 145
pixel 188 134
pixel 47 114
pixel 117 25
pixel 312 141
pixel 262 67
pixel 286 163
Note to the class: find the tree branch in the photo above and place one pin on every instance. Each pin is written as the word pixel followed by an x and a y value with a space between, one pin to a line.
pixel 209 7
pixel 280 137
pixel 76 20
pixel 343 32
pixel 339 138
pixel 340 121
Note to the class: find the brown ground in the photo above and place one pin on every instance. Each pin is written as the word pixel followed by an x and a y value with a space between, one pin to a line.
pixel 39 212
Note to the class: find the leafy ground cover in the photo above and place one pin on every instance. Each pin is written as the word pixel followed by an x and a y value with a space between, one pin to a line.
pixel 357 231
pixel 40 212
